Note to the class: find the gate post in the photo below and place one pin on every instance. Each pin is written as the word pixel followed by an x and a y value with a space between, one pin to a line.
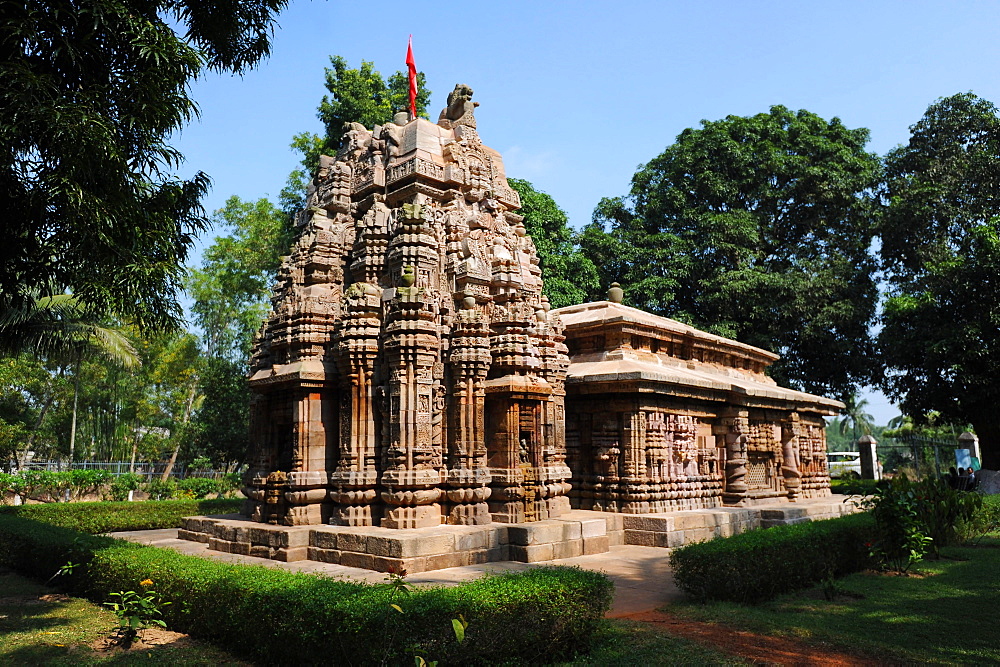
pixel 869 459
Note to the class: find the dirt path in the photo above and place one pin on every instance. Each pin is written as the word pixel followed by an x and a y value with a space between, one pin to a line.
pixel 750 646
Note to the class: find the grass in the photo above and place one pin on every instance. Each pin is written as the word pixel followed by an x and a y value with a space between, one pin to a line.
pixel 622 643
pixel 61 630
pixel 945 615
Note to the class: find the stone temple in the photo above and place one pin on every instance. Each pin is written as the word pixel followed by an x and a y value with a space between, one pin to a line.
pixel 412 373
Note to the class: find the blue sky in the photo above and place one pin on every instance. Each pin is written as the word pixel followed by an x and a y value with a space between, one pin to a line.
pixel 576 95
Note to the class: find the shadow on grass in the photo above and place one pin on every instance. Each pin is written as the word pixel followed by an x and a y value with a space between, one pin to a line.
pixel 946 616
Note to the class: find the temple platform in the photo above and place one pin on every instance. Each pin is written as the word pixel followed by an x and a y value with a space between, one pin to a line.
pixel 576 533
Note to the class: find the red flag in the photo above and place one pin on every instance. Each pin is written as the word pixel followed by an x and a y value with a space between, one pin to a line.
pixel 412 67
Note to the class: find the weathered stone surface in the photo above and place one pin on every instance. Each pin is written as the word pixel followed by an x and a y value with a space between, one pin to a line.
pixel 663 417
pixel 410 373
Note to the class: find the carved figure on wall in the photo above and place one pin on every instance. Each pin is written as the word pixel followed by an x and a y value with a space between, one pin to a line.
pixel 418 371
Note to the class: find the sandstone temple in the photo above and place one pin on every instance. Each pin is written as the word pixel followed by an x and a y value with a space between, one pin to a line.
pixel 412 373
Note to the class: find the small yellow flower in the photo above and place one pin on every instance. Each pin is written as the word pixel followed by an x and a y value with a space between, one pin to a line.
pixel 146 582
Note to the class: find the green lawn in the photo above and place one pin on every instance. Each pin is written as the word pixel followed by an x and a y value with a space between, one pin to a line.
pixel 60 630
pixel 621 643
pixel 948 615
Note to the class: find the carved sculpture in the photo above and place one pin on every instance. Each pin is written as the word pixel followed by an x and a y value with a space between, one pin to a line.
pixel 410 372
pixel 661 416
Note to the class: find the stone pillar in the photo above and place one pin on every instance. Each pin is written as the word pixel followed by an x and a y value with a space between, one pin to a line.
pixel 971 442
pixel 307 481
pixel 354 479
pixel 468 474
pixel 413 463
pixel 869 459
pixel 790 456
pixel 634 490
pixel 734 426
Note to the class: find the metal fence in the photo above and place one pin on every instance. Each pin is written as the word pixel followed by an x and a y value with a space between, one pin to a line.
pixel 144 469
pixel 917 457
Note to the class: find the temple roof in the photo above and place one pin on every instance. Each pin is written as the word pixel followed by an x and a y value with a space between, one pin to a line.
pixel 613 344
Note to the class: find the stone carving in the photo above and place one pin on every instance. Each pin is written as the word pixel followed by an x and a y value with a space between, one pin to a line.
pixel 460 108
pixel 661 416
pixel 410 372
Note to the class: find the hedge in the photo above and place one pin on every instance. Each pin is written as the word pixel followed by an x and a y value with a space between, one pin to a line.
pixel 107 517
pixel 275 616
pixel 758 565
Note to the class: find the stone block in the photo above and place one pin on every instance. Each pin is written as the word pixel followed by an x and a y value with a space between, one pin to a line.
pixel 593 528
pixel 259 536
pixel 382 564
pixel 499 553
pixel 478 539
pixel 571 530
pixel 383 547
pixel 298 537
pixel 674 539
pixel 260 551
pixel 215 544
pixel 647 538
pixel 352 542
pixel 355 559
pixel 543 532
pixel 479 556
pixel 241 548
pixel 616 538
pixel 443 561
pixel 531 554
pixel 192 536
pixel 426 545
pixel 692 520
pixel 496 536
pixel 291 554
pixel 567 549
pixel 596 545
pixel 323 539
pixel 648 523
pixel 414 565
pixel 698 535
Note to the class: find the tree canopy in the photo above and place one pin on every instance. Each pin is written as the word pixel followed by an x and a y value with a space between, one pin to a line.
pixel 357 96
pixel 757 228
pixel 570 276
pixel 941 257
pixel 92 91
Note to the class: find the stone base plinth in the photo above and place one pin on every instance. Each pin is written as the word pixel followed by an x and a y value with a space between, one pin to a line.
pixel 575 533
pixel 414 550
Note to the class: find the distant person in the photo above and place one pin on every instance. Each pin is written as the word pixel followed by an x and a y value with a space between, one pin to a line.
pixel 952 477
pixel 972 481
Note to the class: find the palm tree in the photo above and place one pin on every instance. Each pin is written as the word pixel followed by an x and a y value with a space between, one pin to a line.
pixel 855 415
pixel 60 327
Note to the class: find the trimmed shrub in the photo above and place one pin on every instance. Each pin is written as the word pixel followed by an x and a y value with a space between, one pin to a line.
pixel 122 484
pixel 108 517
pixel 756 566
pixel 160 489
pixel 274 616
pixel 198 487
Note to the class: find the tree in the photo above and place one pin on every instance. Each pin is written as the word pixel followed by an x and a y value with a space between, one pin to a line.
pixel 756 228
pixel 569 275
pixel 231 290
pixel 941 256
pixel 357 96
pixel 856 418
pixel 92 91
pixel 65 330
